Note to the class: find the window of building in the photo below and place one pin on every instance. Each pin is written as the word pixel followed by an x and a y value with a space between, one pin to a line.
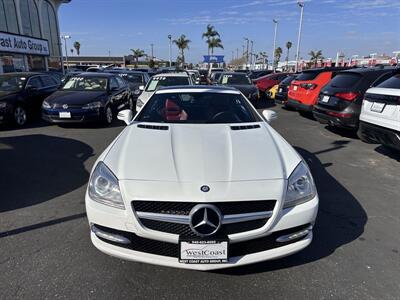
pixel 11 63
pixel 36 63
pixel 30 17
pixel 8 16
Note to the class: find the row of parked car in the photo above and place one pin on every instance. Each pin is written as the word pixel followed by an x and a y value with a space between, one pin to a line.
pixel 364 100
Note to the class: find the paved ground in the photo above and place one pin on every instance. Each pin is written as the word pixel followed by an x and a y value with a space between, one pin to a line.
pixel 45 251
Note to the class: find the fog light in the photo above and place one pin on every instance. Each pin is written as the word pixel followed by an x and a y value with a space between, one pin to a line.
pixel 109 236
pixel 294 236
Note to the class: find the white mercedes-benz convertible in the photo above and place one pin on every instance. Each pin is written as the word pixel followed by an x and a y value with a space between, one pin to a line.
pixel 199 180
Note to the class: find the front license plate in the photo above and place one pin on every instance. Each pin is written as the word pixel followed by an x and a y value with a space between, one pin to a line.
pixel 377 107
pixel 325 99
pixel 203 251
pixel 295 88
pixel 65 114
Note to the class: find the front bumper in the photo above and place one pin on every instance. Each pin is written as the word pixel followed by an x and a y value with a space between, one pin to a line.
pixel 77 115
pixel 381 135
pixel 299 106
pixel 164 251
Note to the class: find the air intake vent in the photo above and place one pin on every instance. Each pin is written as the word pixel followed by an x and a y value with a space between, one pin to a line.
pixel 154 127
pixel 244 127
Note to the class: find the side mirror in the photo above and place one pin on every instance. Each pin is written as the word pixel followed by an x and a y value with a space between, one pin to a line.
pixel 269 115
pixel 125 115
pixel 141 88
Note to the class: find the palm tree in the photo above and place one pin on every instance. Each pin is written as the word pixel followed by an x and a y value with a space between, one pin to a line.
pixel 278 54
pixel 77 47
pixel 288 46
pixel 262 55
pixel 214 42
pixel 137 53
pixel 210 33
pixel 182 43
pixel 315 56
pixel 72 51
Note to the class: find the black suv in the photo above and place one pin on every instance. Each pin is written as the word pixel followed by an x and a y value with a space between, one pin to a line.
pixel 22 94
pixel 339 102
pixel 282 92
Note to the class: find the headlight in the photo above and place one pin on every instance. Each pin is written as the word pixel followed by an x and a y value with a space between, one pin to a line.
pixel 137 92
pixel 301 187
pixel 3 104
pixel 46 104
pixel 104 187
pixel 93 105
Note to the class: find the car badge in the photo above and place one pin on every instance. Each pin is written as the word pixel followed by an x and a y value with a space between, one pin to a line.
pixel 205 188
pixel 205 219
pixel 65 106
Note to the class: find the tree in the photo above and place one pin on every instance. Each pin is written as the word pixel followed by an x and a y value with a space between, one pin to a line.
pixel 278 54
pixel 77 47
pixel 210 33
pixel 315 56
pixel 152 64
pixel 137 53
pixel 288 46
pixel 262 56
pixel 182 43
pixel 214 42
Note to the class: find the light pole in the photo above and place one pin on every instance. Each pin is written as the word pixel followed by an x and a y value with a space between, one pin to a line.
pixel 152 55
pixel 237 53
pixel 251 55
pixel 273 51
pixel 170 43
pixel 65 38
pixel 301 4
pixel 247 51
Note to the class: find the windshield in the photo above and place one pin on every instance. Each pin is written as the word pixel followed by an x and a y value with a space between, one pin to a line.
pixel 86 84
pixel 345 80
pixel 132 78
pixel 391 83
pixel 202 108
pixel 235 79
pixel 159 81
pixel 11 83
pixel 288 80
pixel 307 76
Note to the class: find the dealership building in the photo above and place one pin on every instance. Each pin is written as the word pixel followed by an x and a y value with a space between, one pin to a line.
pixel 30 35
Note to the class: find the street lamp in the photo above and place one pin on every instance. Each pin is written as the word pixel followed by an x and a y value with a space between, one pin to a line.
pixel 251 55
pixel 65 38
pixel 273 51
pixel 170 43
pixel 247 51
pixel 301 4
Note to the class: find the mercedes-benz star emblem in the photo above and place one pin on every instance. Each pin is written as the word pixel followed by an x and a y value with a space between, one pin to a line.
pixel 205 188
pixel 205 219
pixel 65 106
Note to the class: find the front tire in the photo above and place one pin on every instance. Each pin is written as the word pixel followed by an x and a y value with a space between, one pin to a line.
pixel 20 115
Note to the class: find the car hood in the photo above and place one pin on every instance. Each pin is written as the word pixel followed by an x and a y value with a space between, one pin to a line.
pixel 200 153
pixel 75 97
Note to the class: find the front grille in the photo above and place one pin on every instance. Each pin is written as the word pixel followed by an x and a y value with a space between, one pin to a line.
pixel 184 208
pixel 60 105
pixel 172 250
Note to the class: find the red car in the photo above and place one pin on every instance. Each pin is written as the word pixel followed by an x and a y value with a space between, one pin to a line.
pixel 268 81
pixel 304 91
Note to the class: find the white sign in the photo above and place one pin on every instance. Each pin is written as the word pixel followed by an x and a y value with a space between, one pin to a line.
pixel 23 44
pixel 203 252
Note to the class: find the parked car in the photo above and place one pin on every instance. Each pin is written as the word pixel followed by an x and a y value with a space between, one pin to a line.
pixel 68 75
pixel 159 80
pixel 136 81
pixel 268 81
pixel 22 94
pixel 339 103
pixel 380 113
pixel 282 93
pixel 215 76
pixel 241 82
pixel 88 97
pixel 304 91
pixel 255 74
pixel 199 180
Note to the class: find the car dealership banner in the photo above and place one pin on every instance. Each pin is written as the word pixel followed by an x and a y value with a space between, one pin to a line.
pixel 213 59
pixel 23 44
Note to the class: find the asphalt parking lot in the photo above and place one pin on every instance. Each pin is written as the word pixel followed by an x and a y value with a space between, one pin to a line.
pixel 45 249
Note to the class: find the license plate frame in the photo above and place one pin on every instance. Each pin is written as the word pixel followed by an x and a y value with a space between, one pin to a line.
pixel 378 107
pixel 198 248
pixel 64 115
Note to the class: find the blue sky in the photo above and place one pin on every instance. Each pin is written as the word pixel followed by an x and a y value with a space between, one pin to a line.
pixel 352 26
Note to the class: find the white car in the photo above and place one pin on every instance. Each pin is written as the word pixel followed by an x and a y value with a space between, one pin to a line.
pixel 380 114
pixel 199 180
pixel 159 80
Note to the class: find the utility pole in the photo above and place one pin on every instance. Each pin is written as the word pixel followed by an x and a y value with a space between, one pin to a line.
pixel 65 38
pixel 237 53
pixel 152 46
pixel 273 52
pixel 170 50
pixel 301 4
